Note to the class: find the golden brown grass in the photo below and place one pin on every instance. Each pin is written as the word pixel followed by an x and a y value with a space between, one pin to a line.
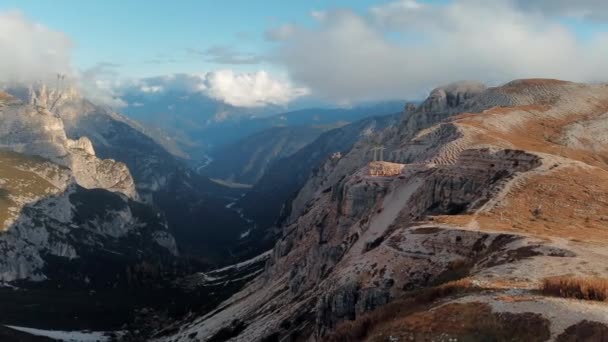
pixel 474 322
pixel 574 204
pixel 357 330
pixel 21 181
pixel 4 96
pixel 589 288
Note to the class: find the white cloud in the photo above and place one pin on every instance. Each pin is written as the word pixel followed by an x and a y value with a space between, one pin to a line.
pixel 255 89
pixel 282 32
pixel 151 89
pixel 404 48
pixel 99 84
pixel 31 52
pixel 582 9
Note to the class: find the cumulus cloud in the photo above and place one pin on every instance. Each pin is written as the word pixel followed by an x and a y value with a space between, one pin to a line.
pixel 282 32
pixel 31 52
pixel 255 89
pixel 99 84
pixel 179 83
pixel 583 9
pixel 250 89
pixel 404 48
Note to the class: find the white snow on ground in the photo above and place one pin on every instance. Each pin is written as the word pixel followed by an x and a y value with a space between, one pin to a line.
pixel 243 263
pixel 247 276
pixel 245 234
pixel 67 336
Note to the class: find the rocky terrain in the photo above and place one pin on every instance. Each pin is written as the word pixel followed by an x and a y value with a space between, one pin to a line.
pixel 192 205
pixel 264 202
pixel 98 221
pixel 486 221
pixel 64 208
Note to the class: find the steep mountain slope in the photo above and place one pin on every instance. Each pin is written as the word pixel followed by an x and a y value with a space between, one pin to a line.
pixel 63 208
pixel 78 250
pixel 247 160
pixel 486 194
pixel 193 205
pixel 34 130
pixel 264 202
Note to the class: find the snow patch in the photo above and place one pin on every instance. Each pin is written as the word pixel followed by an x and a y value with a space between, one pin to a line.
pixel 242 264
pixel 67 336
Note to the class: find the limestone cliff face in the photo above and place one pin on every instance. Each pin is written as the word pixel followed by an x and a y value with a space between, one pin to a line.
pixel 62 207
pixel 49 219
pixel 34 130
pixel 477 184
pixel 442 103
pixel 116 137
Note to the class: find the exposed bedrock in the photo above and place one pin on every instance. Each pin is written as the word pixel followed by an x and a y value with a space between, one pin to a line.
pixel 350 228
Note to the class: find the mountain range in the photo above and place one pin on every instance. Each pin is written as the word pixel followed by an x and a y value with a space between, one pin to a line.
pixel 485 221
pixel 192 124
pixel 482 219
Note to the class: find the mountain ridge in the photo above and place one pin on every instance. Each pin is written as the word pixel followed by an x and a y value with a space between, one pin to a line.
pixel 469 204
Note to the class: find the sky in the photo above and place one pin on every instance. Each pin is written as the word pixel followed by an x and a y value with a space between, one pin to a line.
pixel 148 38
pixel 259 53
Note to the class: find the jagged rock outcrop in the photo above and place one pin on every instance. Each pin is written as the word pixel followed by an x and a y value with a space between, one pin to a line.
pixel 495 185
pixel 452 96
pixel 34 130
pixel 62 207
pixel 47 214
pixel 127 157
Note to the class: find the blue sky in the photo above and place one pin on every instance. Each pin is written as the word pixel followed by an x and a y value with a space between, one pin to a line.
pixel 135 33
pixel 373 50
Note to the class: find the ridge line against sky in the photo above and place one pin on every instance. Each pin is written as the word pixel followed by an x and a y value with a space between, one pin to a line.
pixel 254 54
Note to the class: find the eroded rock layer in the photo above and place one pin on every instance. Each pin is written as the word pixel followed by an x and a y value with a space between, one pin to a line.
pixel 494 188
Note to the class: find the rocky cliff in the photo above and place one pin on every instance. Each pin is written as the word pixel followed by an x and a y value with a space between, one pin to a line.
pixel 62 207
pixel 264 203
pixel 28 126
pixel 485 194
pixel 83 133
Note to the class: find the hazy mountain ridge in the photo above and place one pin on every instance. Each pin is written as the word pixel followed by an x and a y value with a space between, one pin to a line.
pixel 478 189
pixel 246 161
pixel 198 125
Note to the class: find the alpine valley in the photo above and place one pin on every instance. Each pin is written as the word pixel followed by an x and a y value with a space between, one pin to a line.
pixel 484 204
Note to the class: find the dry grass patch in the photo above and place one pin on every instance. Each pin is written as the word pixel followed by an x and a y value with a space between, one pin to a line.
pixel 573 202
pixel 588 288
pixel 529 128
pixel 472 322
pixel 360 328
pixel 4 96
